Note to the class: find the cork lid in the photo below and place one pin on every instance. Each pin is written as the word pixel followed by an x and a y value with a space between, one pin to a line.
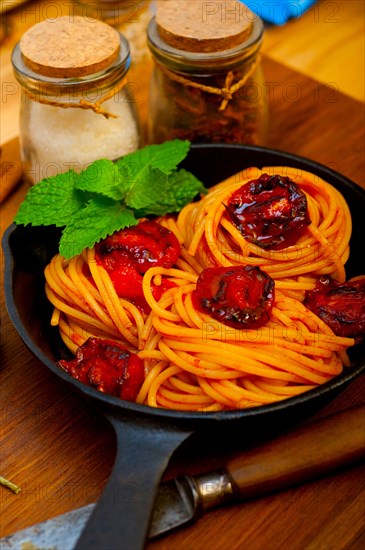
pixel 203 26
pixel 69 47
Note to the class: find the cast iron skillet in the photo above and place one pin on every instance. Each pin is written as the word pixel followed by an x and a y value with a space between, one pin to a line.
pixel 147 437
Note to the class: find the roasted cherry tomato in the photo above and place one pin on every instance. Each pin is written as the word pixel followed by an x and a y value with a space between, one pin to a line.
pixel 340 305
pixel 127 254
pixel 128 285
pixel 146 245
pixel 107 366
pixel 270 211
pixel 240 297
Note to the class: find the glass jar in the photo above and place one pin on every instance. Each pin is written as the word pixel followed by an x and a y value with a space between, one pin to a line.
pixel 81 112
pixel 131 18
pixel 213 96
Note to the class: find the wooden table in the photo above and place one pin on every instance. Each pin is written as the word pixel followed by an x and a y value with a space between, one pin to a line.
pixel 60 451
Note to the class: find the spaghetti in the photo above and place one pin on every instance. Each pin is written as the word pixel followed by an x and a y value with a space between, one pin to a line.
pixel 322 249
pixel 194 362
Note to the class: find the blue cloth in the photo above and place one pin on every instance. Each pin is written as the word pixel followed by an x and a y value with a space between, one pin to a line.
pixel 278 12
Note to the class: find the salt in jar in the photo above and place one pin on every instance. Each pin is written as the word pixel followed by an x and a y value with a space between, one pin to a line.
pixel 75 106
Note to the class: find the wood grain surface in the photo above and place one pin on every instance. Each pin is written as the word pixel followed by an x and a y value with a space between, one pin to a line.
pixel 327 43
pixel 60 451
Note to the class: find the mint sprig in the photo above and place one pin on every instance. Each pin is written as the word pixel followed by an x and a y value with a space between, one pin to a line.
pixel 54 201
pixel 108 196
pixel 107 216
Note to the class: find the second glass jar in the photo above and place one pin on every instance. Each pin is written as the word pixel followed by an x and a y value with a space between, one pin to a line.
pixel 213 97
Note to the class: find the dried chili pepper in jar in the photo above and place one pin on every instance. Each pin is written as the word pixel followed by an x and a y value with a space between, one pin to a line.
pixel 207 83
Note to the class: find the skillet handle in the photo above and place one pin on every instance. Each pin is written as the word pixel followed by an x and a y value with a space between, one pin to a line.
pixel 122 515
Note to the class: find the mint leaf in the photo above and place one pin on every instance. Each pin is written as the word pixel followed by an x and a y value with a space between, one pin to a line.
pixel 128 175
pixel 101 217
pixel 100 177
pixel 53 201
pixel 185 186
pixel 113 180
pixel 164 194
pixel 150 190
pixel 134 170
pixel 165 157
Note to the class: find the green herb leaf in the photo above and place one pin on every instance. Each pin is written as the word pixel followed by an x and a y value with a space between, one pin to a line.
pixel 115 180
pixel 138 170
pixel 53 201
pixel 165 157
pixel 167 194
pixel 101 217
pixel 100 177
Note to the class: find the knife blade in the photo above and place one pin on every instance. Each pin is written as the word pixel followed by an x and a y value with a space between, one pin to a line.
pixel 174 506
pixel 315 450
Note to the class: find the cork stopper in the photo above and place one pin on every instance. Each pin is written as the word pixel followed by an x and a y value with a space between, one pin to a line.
pixel 201 26
pixel 69 47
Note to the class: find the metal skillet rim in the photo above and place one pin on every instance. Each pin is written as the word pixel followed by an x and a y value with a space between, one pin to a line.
pixel 111 402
